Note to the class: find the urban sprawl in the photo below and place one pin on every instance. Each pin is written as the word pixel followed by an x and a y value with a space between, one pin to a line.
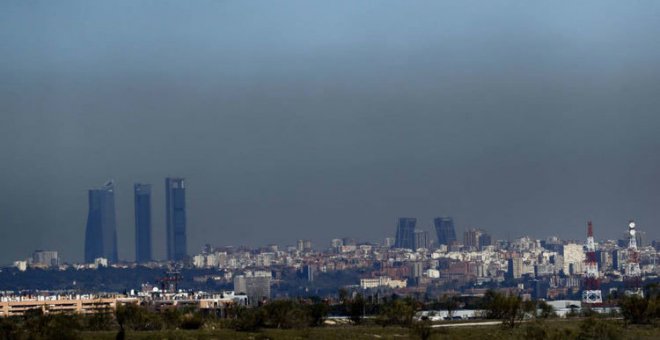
pixel 569 275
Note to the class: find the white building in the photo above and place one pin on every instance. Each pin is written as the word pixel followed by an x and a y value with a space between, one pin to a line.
pixel 573 258
pixel 45 258
pixel 382 281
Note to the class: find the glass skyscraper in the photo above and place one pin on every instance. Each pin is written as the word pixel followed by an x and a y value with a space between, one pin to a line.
pixel 405 233
pixel 444 227
pixel 175 211
pixel 142 195
pixel 101 231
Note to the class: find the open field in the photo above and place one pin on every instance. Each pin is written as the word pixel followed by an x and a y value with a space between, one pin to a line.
pixel 556 329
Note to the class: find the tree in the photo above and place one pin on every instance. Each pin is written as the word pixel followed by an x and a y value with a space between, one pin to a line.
pixel 101 320
pixel 636 309
pixel 192 320
pixel 8 329
pixel 355 309
pixel 249 319
pixel 317 312
pixel 592 328
pixel 529 308
pixel 343 294
pixel 137 318
pixel 422 329
pixel 450 303
pixel 507 308
pixel 547 311
pixel 285 314
pixel 398 312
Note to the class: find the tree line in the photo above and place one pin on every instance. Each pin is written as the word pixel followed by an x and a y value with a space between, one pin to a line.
pixel 313 312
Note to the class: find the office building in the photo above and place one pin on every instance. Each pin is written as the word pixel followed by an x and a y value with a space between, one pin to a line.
pixel 476 239
pixel 485 240
pixel 304 245
pixel 175 217
pixel 255 285
pixel 421 239
pixel 101 230
pixel 471 238
pixel 45 258
pixel 444 228
pixel 515 267
pixel 142 198
pixel 573 258
pixel 405 233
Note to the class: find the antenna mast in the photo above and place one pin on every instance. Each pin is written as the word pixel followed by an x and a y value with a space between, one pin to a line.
pixel 633 272
pixel 592 293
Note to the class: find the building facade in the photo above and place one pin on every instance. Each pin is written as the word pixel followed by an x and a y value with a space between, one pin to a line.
pixel 175 216
pixel 421 239
pixel 405 233
pixel 142 198
pixel 101 230
pixel 45 258
pixel 444 228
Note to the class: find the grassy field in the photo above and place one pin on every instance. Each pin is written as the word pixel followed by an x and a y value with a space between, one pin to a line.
pixel 550 330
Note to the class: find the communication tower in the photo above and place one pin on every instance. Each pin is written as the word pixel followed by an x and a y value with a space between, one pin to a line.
pixel 633 273
pixel 591 293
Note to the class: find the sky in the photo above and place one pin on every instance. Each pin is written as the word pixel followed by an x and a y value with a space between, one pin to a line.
pixel 324 119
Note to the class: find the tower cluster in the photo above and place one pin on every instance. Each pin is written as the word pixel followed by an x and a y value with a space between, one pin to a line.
pixel 101 231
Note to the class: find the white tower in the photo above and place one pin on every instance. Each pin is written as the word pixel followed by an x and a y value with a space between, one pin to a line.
pixel 633 273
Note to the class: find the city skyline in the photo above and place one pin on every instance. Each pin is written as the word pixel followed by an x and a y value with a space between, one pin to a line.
pixel 312 120
pixel 101 221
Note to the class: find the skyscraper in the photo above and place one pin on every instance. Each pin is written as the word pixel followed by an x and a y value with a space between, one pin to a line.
pixel 421 238
pixel 101 231
pixel 405 233
pixel 142 193
pixel 485 240
pixel 444 227
pixel 471 238
pixel 175 210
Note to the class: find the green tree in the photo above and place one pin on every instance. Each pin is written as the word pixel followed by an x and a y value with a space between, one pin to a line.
pixel 8 329
pixel 507 308
pixel 137 318
pixel 529 308
pixel 422 329
pixel 355 309
pixel 592 328
pixel 638 310
pixel 101 320
pixel 450 303
pixel 547 311
pixel 286 314
pixel 317 312
pixel 399 312
pixel 249 319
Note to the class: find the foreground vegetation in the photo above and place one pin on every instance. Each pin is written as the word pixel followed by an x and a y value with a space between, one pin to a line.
pixel 553 329
pixel 388 319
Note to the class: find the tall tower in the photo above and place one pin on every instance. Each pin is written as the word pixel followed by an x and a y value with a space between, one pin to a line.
pixel 405 233
pixel 101 230
pixel 633 273
pixel 175 210
pixel 591 292
pixel 142 195
pixel 444 228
